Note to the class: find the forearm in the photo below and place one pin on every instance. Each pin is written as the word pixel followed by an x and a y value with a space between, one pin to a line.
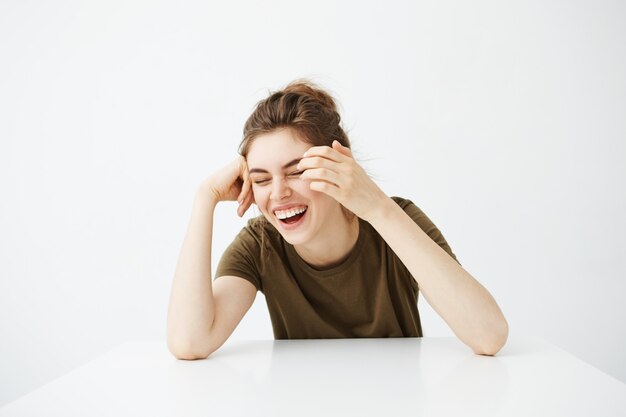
pixel 464 304
pixel 191 308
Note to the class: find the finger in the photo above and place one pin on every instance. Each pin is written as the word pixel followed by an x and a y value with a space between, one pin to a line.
pixel 241 210
pixel 326 188
pixel 325 152
pixel 311 162
pixel 245 171
pixel 242 192
pixel 342 149
pixel 245 190
pixel 246 186
pixel 245 203
pixel 248 201
pixel 322 174
pixel 243 207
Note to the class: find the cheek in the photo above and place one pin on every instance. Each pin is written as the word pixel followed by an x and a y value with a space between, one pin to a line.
pixel 320 198
pixel 302 187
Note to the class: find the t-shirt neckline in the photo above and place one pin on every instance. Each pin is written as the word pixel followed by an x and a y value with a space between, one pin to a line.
pixel 351 258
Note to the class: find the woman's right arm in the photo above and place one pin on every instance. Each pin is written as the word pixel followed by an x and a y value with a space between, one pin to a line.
pixel 192 329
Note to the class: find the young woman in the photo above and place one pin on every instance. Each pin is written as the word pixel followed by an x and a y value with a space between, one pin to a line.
pixel 334 256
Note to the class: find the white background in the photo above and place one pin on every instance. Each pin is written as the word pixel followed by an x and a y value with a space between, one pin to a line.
pixel 503 121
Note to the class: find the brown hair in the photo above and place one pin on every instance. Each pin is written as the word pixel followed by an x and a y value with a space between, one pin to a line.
pixel 302 106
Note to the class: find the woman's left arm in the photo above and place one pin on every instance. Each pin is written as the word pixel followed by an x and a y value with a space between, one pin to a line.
pixel 467 307
pixel 464 304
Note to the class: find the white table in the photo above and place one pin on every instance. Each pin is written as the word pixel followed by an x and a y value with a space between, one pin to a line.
pixel 335 377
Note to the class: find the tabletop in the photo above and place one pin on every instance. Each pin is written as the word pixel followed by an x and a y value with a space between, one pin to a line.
pixel 365 377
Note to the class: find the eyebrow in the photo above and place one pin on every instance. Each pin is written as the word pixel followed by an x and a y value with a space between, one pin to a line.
pixel 287 165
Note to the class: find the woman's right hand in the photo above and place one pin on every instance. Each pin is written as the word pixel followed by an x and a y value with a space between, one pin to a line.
pixel 231 183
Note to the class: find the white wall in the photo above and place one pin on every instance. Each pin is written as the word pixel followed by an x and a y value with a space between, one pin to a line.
pixel 503 122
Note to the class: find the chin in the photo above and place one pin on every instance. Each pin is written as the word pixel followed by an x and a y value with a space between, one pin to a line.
pixel 294 240
pixel 293 237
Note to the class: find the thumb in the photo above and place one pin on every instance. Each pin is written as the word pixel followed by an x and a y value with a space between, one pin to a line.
pixel 341 149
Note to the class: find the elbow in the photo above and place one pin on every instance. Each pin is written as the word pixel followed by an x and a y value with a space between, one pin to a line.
pixel 188 355
pixel 189 351
pixel 492 343
pixel 488 349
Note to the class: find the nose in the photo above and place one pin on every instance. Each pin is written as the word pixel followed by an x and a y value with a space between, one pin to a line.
pixel 280 189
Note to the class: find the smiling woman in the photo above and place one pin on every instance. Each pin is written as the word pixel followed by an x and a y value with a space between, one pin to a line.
pixel 333 254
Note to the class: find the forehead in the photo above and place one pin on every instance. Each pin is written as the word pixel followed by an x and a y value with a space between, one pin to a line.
pixel 273 150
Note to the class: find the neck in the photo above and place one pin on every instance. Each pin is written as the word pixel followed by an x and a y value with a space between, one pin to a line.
pixel 332 248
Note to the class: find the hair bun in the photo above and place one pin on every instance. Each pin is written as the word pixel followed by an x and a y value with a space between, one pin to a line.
pixel 305 87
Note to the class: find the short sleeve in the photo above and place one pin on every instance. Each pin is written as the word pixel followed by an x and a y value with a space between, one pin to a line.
pixel 241 258
pixel 425 224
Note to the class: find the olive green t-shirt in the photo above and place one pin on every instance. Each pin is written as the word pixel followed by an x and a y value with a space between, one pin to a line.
pixel 370 294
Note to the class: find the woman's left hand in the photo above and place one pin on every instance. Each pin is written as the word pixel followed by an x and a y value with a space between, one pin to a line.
pixel 333 171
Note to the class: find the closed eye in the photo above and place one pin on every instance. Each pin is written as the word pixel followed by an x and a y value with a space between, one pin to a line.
pixel 262 181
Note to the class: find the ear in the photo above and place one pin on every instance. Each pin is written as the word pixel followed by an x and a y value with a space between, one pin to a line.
pixel 342 149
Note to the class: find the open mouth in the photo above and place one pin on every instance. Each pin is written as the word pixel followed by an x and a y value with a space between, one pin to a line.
pixel 292 215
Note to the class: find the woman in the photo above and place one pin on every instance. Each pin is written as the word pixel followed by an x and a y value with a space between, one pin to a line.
pixel 334 256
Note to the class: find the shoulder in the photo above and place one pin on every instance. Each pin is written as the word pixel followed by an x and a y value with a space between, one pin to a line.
pixel 414 212
pixel 247 252
pixel 424 222
pixel 258 232
pixel 402 202
pixel 408 206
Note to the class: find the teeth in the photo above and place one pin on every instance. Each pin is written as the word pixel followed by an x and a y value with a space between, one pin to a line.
pixel 285 214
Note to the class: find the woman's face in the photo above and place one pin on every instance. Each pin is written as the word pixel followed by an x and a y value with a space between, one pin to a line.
pixel 286 201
